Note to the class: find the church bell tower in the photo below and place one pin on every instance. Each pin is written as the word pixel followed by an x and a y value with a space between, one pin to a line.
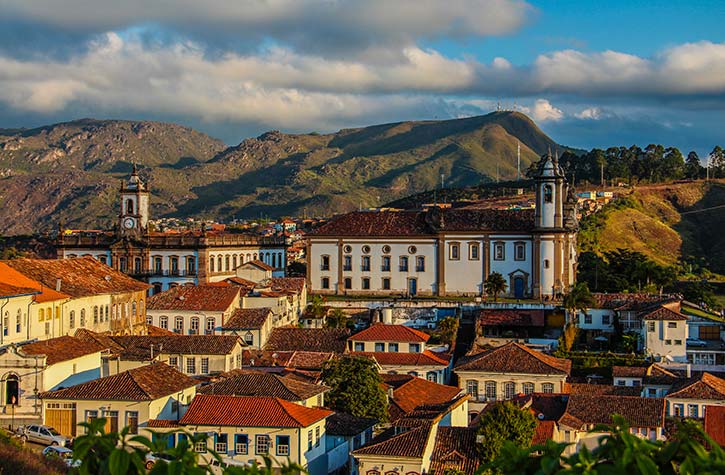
pixel 134 215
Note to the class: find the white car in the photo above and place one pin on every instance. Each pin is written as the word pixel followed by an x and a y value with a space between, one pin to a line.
pixel 45 435
pixel 152 458
pixel 62 453
pixel 695 342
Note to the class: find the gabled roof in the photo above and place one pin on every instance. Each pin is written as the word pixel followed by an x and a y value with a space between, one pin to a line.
pixel 294 284
pixel 348 425
pixel 257 263
pixel 416 392
pixel 240 411
pixel 544 406
pixel 195 298
pixel 663 313
pixel 258 383
pixel 634 301
pixel 515 358
pixel 704 386
pixel 605 389
pixel 583 410
pixel 247 318
pixel 145 383
pixel 79 277
pixel 62 348
pixel 513 318
pixel 138 348
pixel 425 358
pixel 388 332
pixel 455 447
pixel 392 443
pixel 544 431
pixel 14 283
pixel 325 340
pixel 8 290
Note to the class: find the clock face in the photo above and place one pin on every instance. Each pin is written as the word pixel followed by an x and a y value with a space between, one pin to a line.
pixel 128 223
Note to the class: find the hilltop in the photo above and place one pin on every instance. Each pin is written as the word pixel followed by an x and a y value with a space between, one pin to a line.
pixel 69 171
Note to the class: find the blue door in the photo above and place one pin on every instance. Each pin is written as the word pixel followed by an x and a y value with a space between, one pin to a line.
pixel 519 287
pixel 412 287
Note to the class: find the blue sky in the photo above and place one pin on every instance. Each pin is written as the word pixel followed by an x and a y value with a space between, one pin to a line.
pixel 589 73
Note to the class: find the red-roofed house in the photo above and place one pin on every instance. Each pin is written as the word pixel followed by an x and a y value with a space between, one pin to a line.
pixel 688 396
pixel 664 334
pixel 193 310
pixel 247 428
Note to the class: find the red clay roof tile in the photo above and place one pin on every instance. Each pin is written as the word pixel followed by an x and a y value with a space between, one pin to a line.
pixel 195 298
pixel 60 349
pixel 515 358
pixel 247 318
pixel 388 332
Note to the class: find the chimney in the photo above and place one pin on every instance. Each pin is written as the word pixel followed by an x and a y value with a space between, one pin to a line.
pixel 390 394
pixel 688 370
pixel 57 285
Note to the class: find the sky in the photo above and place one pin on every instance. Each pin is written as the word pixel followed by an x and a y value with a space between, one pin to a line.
pixel 590 73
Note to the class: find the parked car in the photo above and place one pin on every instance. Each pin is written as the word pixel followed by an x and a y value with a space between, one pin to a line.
pixel 152 458
pixel 216 467
pixel 62 453
pixel 695 342
pixel 45 435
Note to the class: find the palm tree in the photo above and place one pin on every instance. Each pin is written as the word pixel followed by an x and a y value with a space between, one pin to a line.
pixel 496 284
pixel 578 298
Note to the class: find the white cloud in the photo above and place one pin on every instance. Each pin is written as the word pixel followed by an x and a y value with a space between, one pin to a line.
pixel 543 110
pixel 590 113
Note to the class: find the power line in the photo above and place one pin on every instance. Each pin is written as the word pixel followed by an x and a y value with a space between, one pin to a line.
pixel 703 210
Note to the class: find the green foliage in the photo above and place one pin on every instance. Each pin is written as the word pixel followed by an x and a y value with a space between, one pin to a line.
pixel 618 453
pixel 448 329
pixel 339 319
pixel 116 453
pixel 17 459
pixel 623 270
pixel 495 284
pixel 501 423
pixel 356 387
pixel 317 307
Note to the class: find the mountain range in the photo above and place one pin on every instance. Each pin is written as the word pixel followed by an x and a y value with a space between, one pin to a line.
pixel 70 171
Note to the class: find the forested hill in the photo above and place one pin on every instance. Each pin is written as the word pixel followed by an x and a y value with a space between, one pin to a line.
pixel 70 171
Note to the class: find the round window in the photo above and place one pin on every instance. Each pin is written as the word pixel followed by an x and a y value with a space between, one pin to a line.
pixel 386 249
pixel 412 250
pixel 347 249
pixel 366 249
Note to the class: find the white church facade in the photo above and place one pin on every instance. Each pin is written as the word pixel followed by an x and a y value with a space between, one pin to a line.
pixel 451 251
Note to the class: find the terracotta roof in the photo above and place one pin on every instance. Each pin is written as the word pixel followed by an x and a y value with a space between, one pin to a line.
pixel 152 330
pixel 704 386
pixel 417 392
pixel 258 263
pixel 543 406
pixel 579 388
pixel 145 383
pixel 715 423
pixel 348 425
pixel 388 332
pixel 162 423
pixel 582 410
pixel 426 358
pixel 515 318
pixel 514 358
pixel 247 318
pixel 247 284
pixel 258 383
pixel 629 371
pixel 326 340
pixel 294 284
pixel 103 340
pixel 7 290
pixel 195 298
pixel 425 223
pixel 139 347
pixel 60 349
pixel 239 411
pixel 410 443
pixel 309 359
pixel 664 313
pixel 14 283
pixel 79 277
pixel 635 301
pixel 544 431
pixel 455 447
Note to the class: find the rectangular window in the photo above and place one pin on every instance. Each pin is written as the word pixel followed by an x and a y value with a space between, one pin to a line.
pixel 359 346
pixel 366 283
pixel 205 366
pixel 519 251
pixel 393 347
pixel 262 444
pixel 668 342
pixel 605 319
pixel 221 443
pixel 194 330
pixel 547 388
pixel 283 445
pixel 179 325
pixel 174 361
pixel 587 319
pixel 348 283
pixel 671 324
pixel 386 283
pixel 499 251
pixel 241 444
pixel 650 326
pixel 200 447
pixel 385 266
pixel 191 365
pixel 528 388
pixel 692 409
pixel 678 342
pixel 403 264
pixel 210 326
pixel 473 251
pixel 324 262
pixel 414 348
pixel 454 251
pixel 472 388
pixel 347 263
pixel 678 410
pixel 491 390
pixel 309 440
pixel 365 264
pixel 379 347
pixel 420 264
pixel 651 392
pixel 325 283
pixel 132 421
pixel 317 436
pixel 636 382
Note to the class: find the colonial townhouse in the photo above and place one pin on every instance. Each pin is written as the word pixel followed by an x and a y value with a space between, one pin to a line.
pixel 128 399
pixel 98 298
pixel 314 340
pixel 653 380
pixel 253 325
pixel 43 366
pixel 503 372
pixel 261 384
pixel 451 251
pixel 401 350
pixel 407 394
pixel 246 429
pixel 688 397
pixel 645 416
pixel 193 310
pixel 166 259
pixel 706 342
pixel 345 433
pixel 664 334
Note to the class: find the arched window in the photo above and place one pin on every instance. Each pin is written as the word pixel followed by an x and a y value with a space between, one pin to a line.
pixel 140 307
pixel 491 390
pixel 164 322
pixel 372 472
pixel 528 388
pixel 41 314
pixel 509 390
pixel 6 323
pixel 234 262
pixel 18 321
pixel 137 265
pixel 210 325
pixel 226 263
pixel 548 194
pixel 547 388
pixel 219 264
pixel 12 390
pixel 129 206
pixel 149 320
pixel 179 325
pixel 432 376
pixel 249 338
pixel 95 314
pixel 194 329
pixel 123 266
pixel 72 319
pixel 133 308
pixel 472 388
pixel 107 312
pixel 83 317
pixel 211 264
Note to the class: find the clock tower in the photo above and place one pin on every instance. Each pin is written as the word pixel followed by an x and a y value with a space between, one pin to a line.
pixel 134 216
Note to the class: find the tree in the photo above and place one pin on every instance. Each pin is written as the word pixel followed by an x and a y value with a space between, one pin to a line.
pixel 693 169
pixel 578 298
pixel 504 422
pixel 496 284
pixel 316 307
pixel 717 162
pixel 618 453
pixel 339 319
pixel 448 328
pixel 355 387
